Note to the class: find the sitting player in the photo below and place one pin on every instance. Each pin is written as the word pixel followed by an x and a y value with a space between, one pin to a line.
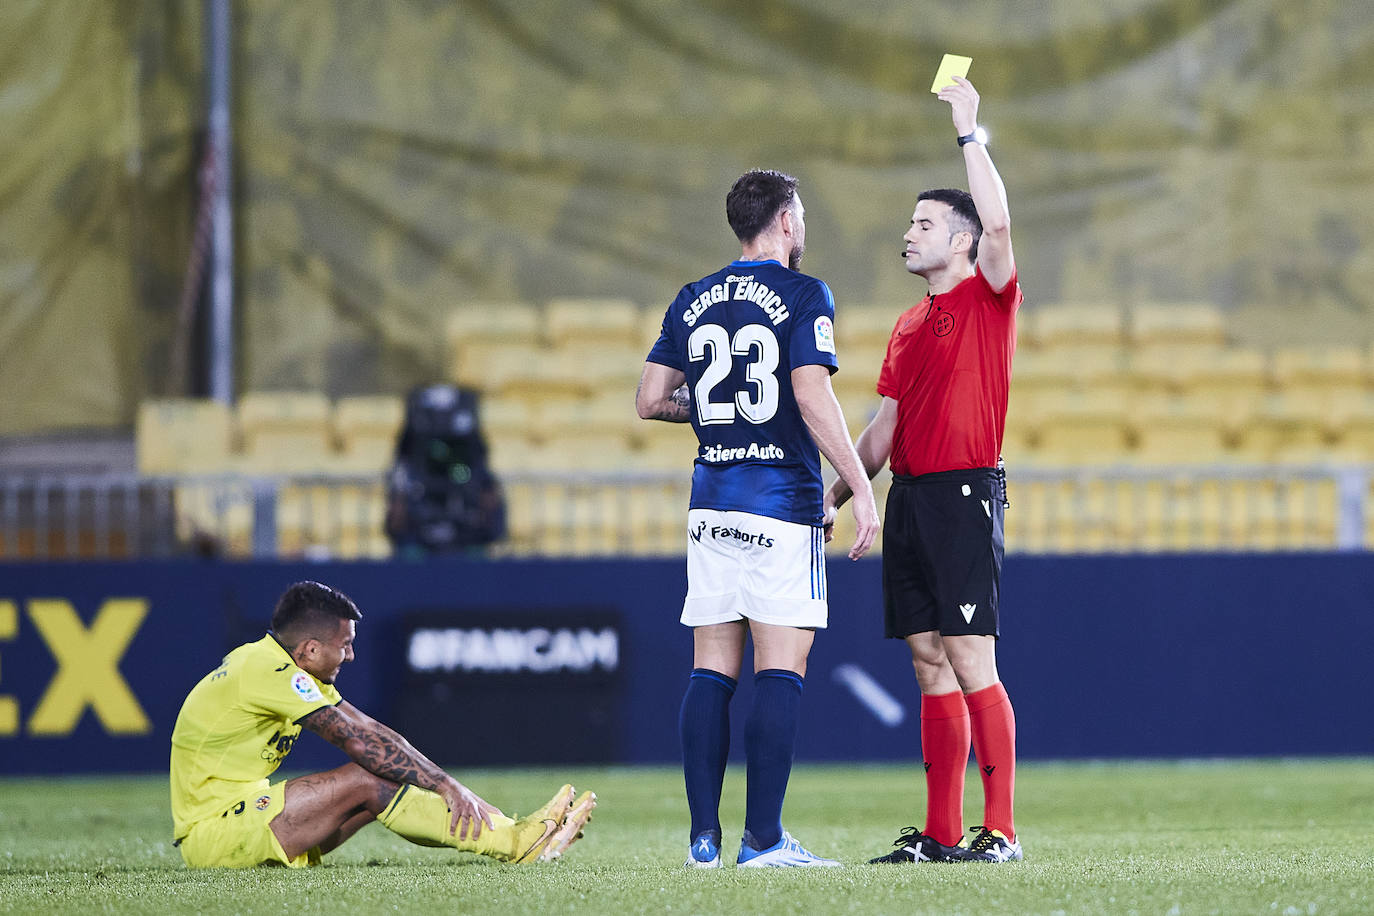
pixel 240 721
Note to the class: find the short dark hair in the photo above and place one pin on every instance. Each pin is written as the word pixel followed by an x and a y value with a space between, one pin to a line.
pixel 311 610
pixel 756 199
pixel 965 218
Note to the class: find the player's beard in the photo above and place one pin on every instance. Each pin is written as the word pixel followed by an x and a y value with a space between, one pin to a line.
pixel 794 257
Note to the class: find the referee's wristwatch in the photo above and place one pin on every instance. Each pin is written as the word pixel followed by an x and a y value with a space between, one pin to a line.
pixel 977 135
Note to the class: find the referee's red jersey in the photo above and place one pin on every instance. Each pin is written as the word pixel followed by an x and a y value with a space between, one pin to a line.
pixel 948 366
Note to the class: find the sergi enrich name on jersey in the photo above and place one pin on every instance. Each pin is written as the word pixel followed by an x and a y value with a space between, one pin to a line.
pixel 747 289
pixel 720 453
pixel 733 534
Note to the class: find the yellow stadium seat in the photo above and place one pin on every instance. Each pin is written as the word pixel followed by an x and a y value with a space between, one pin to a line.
pixel 1177 326
pixel 1168 429
pixel 285 431
pixel 494 368
pixel 600 369
pixel 1285 427
pixel 1352 428
pixel 604 322
pixel 1080 428
pixel 367 428
pixel 183 435
pixel 1166 370
pixel 508 418
pixel 859 407
pixel 474 326
pixel 650 326
pixel 663 446
pixel 865 326
pixel 1235 379
pixel 1321 375
pixel 1074 324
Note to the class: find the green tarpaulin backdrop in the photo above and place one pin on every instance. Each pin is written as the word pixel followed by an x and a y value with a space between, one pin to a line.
pixel 397 159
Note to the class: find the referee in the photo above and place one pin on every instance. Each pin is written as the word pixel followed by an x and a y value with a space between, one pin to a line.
pixel 944 387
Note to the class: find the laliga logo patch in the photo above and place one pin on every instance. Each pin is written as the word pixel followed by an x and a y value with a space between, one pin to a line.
pixel 825 335
pixel 305 687
pixel 262 802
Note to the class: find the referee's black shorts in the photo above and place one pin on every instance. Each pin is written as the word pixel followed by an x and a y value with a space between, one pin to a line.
pixel 942 553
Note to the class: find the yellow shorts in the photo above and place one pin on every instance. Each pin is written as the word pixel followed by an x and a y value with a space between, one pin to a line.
pixel 241 837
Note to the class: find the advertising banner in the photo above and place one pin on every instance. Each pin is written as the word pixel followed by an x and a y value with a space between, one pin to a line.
pixel 534 662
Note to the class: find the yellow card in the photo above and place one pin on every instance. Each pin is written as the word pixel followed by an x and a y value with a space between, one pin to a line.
pixel 951 65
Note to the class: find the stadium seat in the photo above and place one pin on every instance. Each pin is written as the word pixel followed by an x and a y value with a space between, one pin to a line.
pixel 1176 327
pixel 1286 427
pixel 183 436
pixel 474 326
pixel 859 367
pixel 599 368
pixel 650 326
pixel 1059 325
pixel 1235 379
pixel 859 406
pixel 285 431
pixel 1320 375
pixel 608 419
pixel 1351 428
pixel 499 368
pixel 865 326
pixel 367 427
pixel 1079 427
pixel 592 322
pixel 1169 429
pixel 664 447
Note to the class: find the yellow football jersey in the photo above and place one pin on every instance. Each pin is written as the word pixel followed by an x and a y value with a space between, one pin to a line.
pixel 236 727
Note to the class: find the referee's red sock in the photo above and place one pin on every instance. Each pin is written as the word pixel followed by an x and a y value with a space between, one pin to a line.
pixel 944 745
pixel 993 725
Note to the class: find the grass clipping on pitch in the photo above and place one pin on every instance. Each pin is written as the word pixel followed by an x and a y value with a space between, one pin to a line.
pixel 1283 837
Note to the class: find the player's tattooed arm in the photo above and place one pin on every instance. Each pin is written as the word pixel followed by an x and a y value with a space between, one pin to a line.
pixel 373 746
pixel 663 395
pixel 678 407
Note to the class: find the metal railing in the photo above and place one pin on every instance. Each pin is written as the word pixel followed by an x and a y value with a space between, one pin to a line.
pixel 1071 510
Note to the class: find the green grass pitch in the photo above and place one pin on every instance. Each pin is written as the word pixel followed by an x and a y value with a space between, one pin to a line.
pixel 1292 838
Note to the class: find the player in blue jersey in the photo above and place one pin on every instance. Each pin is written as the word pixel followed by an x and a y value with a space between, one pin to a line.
pixel 745 356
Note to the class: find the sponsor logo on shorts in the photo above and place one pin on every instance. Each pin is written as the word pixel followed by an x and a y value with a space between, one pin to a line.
pixel 719 453
pixel 967 610
pixel 723 533
pixel 262 802
pixel 305 687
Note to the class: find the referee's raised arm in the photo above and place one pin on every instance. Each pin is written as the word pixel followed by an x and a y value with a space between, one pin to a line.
pixel 989 194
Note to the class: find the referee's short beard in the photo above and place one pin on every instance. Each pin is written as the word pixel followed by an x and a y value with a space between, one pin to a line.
pixel 794 257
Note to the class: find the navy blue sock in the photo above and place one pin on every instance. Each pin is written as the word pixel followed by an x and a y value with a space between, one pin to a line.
pixel 769 737
pixel 704 724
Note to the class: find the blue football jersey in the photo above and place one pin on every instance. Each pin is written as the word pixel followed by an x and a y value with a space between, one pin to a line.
pixel 737 335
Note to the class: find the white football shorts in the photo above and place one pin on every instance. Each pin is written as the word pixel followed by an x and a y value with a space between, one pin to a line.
pixel 743 565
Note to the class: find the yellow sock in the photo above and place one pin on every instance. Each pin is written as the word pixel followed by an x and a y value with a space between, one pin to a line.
pixel 422 817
